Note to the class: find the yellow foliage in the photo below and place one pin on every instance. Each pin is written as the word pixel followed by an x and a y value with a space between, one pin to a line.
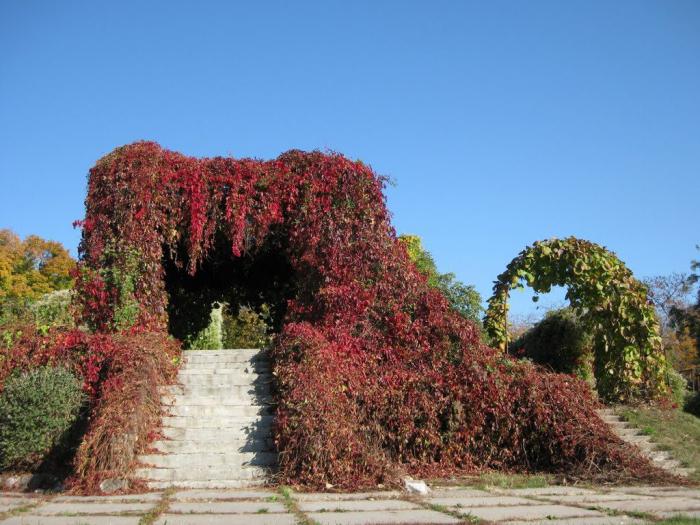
pixel 33 267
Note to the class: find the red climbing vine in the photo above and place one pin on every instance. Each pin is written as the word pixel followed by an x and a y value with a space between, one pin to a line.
pixel 377 375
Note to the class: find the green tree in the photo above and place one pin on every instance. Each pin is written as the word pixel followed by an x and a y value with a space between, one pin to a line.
pixel 462 297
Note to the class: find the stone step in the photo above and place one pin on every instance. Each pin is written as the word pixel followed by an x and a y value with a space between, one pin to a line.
pixel 203 474
pixel 226 380
pixel 223 356
pixel 243 392
pixel 208 484
pixel 638 439
pixel 209 460
pixel 210 410
pixel 222 423
pixel 231 435
pixel 257 367
pixel 224 399
pixel 683 471
pixel 655 454
pixel 668 464
pixel 627 432
pixel 206 447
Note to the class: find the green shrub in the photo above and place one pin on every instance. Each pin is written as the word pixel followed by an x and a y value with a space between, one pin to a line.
pixel 53 310
pixel 246 328
pixel 560 342
pixel 678 386
pixel 37 410
pixel 211 337
pixel 692 403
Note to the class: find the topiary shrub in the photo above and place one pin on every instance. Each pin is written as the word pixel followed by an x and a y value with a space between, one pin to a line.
pixel 37 411
pixel 560 342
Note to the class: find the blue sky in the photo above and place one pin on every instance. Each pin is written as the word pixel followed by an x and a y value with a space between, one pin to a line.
pixel 501 122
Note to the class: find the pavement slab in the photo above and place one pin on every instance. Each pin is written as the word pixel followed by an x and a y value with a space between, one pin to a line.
pixel 72 520
pixel 588 499
pixel 530 512
pixel 112 498
pixel 482 501
pixel 654 505
pixel 190 495
pixel 225 519
pixel 422 516
pixel 457 492
pixel 364 505
pixel 546 491
pixel 9 503
pixel 686 492
pixel 88 507
pixel 602 520
pixel 225 507
pixel 674 514
pixel 337 496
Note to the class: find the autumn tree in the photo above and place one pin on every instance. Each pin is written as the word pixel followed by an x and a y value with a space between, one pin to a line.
pixel 31 268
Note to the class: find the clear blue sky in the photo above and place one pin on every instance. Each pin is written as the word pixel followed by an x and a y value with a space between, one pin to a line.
pixel 501 122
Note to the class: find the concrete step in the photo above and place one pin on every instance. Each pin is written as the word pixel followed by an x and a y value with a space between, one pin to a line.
pixel 209 460
pixel 668 464
pixel 257 367
pixel 208 484
pixel 226 380
pixel 243 393
pixel 203 474
pixel 223 399
pixel 219 422
pixel 230 435
pixel 207 447
pixel 180 409
pixel 638 439
pixel 683 471
pixel 627 432
pixel 223 356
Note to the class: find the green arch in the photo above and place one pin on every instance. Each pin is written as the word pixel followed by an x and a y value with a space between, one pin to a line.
pixel 629 360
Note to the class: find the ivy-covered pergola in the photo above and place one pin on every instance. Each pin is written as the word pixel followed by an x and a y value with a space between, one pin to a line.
pixel 629 361
pixel 377 376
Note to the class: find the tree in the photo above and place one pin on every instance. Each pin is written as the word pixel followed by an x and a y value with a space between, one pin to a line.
pixel 33 267
pixel 462 297
pixel 671 297
pixel 686 317
pixel 30 269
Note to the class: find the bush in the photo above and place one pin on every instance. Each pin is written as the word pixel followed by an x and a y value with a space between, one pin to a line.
pixel 37 410
pixel 53 310
pixel 678 386
pixel 211 337
pixel 560 342
pixel 247 328
pixel 692 403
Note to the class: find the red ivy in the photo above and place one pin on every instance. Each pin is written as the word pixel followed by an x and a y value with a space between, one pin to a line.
pixel 377 376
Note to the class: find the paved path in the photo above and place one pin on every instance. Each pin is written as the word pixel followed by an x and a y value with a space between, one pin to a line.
pixel 552 505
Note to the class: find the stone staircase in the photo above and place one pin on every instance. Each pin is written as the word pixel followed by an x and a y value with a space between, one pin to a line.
pixel 217 423
pixel 632 435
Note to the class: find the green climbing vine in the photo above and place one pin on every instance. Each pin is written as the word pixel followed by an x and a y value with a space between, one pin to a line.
pixel 629 361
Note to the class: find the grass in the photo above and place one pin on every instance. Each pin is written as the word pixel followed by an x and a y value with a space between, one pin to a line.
pixel 152 515
pixel 510 481
pixel 679 520
pixel 672 430
pixel 292 506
